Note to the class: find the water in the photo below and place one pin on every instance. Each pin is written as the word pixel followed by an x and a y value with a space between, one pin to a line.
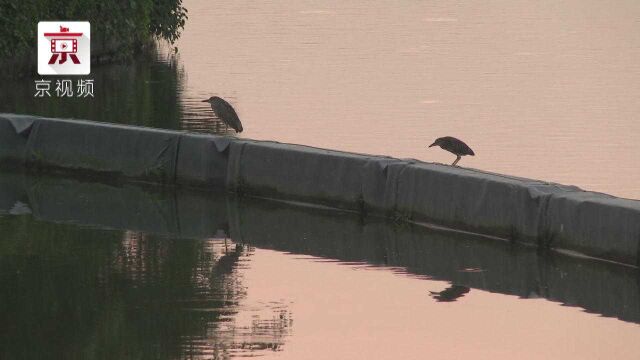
pixel 92 270
pixel 544 90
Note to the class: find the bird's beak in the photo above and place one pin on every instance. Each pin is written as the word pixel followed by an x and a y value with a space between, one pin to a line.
pixel 205 100
pixel 434 144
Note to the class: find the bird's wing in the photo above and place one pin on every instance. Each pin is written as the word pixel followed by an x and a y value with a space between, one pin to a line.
pixel 226 113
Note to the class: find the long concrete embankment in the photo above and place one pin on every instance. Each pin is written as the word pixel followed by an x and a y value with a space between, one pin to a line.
pixel 524 210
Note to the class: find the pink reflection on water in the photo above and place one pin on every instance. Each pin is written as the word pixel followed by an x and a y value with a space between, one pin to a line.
pixel 341 312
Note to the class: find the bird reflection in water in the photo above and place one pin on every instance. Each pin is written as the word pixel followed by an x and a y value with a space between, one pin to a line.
pixel 452 293
pixel 199 285
pixel 227 262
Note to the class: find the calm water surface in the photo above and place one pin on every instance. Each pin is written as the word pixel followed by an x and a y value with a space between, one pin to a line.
pixel 541 89
pixel 192 275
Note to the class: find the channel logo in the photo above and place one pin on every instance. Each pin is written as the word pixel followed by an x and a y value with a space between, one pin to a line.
pixel 64 48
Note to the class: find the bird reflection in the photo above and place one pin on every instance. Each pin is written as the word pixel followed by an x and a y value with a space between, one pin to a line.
pixel 452 293
pixel 227 262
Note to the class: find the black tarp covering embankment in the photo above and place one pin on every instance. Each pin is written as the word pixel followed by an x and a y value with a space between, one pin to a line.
pixel 141 153
pixel 524 210
pixel 462 259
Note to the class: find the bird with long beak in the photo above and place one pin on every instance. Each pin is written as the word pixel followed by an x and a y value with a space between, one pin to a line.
pixel 225 112
pixel 455 146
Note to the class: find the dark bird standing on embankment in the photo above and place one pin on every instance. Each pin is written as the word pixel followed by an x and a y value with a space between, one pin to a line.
pixel 224 111
pixel 455 146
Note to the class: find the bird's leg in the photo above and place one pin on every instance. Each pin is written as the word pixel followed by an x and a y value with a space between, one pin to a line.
pixel 225 246
pixel 457 159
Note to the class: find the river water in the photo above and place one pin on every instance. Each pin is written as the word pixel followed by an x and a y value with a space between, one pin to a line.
pixel 544 89
pixel 93 270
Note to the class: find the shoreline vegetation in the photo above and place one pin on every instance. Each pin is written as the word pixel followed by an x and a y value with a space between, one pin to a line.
pixel 119 29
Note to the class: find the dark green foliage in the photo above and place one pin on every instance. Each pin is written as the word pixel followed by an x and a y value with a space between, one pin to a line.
pixel 125 23
pixel 167 19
